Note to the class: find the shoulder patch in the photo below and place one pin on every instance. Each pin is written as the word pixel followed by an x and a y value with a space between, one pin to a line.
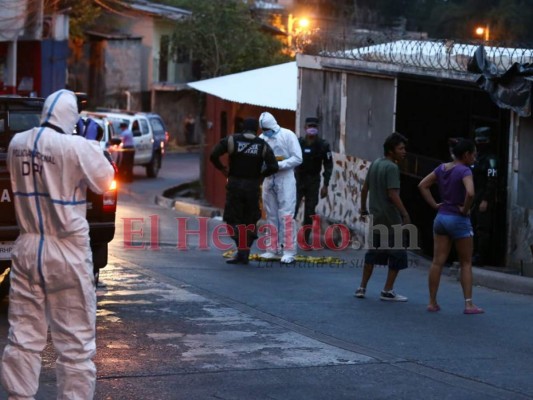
pixel 231 145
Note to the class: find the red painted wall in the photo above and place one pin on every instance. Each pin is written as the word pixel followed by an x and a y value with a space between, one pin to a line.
pixel 28 64
pixel 215 182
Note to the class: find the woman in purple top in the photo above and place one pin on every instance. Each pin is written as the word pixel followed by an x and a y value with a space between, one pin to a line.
pixel 452 223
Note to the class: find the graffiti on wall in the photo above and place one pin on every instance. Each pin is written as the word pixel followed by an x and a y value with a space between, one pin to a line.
pixel 341 205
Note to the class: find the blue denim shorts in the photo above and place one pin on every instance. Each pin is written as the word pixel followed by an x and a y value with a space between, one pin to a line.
pixel 454 226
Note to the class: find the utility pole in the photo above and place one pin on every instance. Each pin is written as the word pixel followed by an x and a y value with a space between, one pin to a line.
pixel 11 67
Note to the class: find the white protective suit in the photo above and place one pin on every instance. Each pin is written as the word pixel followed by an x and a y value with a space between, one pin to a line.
pixel 52 283
pixel 279 190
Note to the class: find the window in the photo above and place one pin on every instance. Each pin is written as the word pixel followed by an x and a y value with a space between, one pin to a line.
pixel 145 129
pixel 182 55
pixel 163 58
pixel 136 129
pixel 157 127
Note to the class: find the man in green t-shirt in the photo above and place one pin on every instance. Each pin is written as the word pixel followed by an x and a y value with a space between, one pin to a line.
pixel 386 212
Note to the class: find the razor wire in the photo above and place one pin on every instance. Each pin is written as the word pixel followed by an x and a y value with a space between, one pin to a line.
pixel 430 54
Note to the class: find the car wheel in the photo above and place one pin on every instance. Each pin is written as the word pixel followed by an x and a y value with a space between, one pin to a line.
pixel 153 167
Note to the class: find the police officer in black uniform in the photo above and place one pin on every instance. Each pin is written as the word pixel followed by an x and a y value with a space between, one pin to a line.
pixel 485 173
pixel 250 160
pixel 315 153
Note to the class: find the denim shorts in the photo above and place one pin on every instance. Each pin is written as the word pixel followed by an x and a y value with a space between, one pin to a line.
pixel 454 226
pixel 395 258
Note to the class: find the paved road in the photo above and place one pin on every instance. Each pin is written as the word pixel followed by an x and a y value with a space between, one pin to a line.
pixel 184 325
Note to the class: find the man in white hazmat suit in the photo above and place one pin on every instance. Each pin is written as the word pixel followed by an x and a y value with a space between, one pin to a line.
pixel 52 283
pixel 279 189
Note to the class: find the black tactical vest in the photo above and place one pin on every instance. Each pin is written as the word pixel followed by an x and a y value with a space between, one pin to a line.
pixel 246 155
pixel 312 155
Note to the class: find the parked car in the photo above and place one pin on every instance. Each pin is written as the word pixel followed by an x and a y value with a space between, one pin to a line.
pixel 18 114
pixel 149 136
pixel 111 139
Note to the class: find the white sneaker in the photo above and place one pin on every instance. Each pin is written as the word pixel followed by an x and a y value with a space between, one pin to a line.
pixel 287 260
pixel 391 296
pixel 268 255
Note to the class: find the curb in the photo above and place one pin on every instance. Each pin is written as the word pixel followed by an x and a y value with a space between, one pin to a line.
pixel 188 207
pixel 502 281
pixel 164 201
pixel 196 209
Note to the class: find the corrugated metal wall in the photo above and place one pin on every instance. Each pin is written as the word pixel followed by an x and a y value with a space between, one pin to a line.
pixel 321 97
pixel 369 116
pixel 54 66
pixel 520 242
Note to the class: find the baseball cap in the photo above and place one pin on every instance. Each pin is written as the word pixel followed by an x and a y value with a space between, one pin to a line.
pixel 311 121
pixel 250 125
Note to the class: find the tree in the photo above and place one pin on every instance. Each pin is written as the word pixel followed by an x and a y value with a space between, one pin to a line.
pixel 224 37
pixel 82 13
pixel 509 20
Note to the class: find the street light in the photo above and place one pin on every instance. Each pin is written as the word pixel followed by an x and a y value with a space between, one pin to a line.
pixel 295 26
pixel 483 31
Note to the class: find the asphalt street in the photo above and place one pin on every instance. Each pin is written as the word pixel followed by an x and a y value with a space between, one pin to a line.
pixel 183 324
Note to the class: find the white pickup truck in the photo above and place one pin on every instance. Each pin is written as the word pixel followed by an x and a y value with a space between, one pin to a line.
pixel 149 135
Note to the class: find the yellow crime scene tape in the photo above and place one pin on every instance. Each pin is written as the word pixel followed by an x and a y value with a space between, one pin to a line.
pixel 299 258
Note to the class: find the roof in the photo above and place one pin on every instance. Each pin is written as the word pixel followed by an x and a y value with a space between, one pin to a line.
pixel 438 55
pixel 273 87
pixel 112 36
pixel 159 10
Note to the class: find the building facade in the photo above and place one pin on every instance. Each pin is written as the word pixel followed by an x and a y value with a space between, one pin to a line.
pixel 422 90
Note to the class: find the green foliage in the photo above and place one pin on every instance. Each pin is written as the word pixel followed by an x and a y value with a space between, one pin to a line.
pixel 83 14
pixel 509 20
pixel 224 37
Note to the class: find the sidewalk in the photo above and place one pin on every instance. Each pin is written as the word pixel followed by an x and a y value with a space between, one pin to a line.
pixel 482 277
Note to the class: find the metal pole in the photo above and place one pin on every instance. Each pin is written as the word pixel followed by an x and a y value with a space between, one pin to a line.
pixel 11 67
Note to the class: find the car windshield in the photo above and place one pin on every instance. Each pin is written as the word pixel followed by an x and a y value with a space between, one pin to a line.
pixel 17 118
pixel 157 126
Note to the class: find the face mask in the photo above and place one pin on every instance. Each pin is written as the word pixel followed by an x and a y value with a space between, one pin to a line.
pixel 312 131
pixel 269 133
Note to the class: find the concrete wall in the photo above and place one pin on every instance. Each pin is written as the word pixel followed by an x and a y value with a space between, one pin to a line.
pixel 174 106
pixel 520 246
pixel 122 72
pixel 144 27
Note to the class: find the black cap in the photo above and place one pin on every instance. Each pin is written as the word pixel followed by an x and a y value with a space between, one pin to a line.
pixel 250 125
pixel 123 124
pixel 312 121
